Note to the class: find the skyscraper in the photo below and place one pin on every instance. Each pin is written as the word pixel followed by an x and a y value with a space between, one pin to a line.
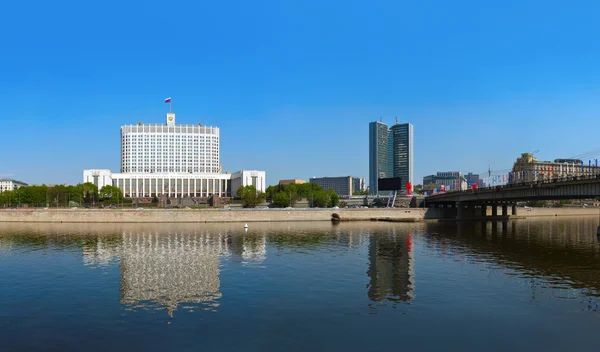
pixel 378 154
pixel 402 145
pixel 390 153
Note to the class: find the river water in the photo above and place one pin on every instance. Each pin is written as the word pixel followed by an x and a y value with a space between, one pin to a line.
pixel 521 285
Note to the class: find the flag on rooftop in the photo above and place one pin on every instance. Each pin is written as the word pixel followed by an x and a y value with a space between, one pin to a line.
pixel 168 100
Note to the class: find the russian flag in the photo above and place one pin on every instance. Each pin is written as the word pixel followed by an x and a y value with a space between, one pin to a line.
pixel 168 100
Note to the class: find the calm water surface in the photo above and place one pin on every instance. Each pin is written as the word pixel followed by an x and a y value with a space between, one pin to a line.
pixel 522 285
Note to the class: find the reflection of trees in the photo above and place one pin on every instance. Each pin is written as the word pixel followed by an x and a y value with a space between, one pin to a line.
pixel 391 267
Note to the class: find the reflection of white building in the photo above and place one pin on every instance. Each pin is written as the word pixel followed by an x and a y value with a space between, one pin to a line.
pixel 174 160
pixel 169 269
pixel 161 270
pixel 254 249
pixel 102 253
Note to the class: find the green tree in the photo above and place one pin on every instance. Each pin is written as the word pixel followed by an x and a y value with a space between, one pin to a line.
pixel 90 192
pixel 281 199
pixel 333 198
pixel 320 199
pixel 111 194
pixel 7 198
pixel 250 196
pixel 270 192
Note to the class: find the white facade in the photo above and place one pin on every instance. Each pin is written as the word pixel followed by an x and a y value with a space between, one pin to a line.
pixel 178 161
pixel 170 148
pixel 176 185
pixel 10 185
pixel 248 178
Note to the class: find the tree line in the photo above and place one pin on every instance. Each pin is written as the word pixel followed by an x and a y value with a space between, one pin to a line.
pixel 282 196
pixel 61 195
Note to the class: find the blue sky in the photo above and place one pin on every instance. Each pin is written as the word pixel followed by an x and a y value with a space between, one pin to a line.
pixel 294 84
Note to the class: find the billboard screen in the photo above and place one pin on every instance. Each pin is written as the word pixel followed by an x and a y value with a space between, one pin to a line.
pixel 389 184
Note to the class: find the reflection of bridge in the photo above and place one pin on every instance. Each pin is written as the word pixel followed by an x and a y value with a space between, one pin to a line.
pixel 545 250
pixel 473 204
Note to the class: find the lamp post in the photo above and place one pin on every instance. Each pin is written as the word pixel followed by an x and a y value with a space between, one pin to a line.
pixel 533 175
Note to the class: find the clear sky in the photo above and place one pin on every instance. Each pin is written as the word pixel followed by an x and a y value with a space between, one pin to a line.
pixel 294 84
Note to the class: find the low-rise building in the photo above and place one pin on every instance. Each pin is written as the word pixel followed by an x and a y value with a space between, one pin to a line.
pixel 527 168
pixel 342 185
pixel 451 180
pixel 474 179
pixel 10 185
pixel 176 185
pixel 291 182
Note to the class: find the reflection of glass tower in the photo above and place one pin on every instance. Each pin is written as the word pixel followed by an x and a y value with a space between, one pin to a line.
pixel 391 268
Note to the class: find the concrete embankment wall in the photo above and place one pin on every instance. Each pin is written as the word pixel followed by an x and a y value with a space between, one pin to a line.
pixel 538 212
pixel 201 216
pixel 216 216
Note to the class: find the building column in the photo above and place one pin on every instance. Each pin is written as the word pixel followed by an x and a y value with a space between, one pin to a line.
pixel 189 181
pixel 494 209
pixel 514 210
pixel 169 189
pixel 143 186
pixel 504 210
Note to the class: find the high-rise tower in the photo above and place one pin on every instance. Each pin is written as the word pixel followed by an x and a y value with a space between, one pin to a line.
pixel 378 154
pixel 390 153
pixel 402 162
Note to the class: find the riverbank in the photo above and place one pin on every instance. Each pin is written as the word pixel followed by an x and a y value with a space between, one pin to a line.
pixel 203 216
pixel 250 215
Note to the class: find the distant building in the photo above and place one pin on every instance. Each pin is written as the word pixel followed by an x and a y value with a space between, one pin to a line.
pixel 291 182
pixel 527 168
pixel 391 153
pixel 10 185
pixel 358 184
pixel 342 186
pixel 451 180
pixel 474 179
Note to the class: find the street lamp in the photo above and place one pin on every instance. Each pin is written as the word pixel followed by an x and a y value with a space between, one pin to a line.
pixel 533 174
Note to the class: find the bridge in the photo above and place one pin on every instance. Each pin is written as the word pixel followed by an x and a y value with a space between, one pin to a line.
pixel 473 204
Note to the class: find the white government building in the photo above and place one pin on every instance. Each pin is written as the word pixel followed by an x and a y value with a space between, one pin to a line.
pixel 178 161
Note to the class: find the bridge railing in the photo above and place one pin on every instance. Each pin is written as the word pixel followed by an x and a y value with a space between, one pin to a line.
pixel 550 180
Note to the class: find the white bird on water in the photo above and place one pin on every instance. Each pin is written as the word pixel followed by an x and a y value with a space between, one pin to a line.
pixel 245 226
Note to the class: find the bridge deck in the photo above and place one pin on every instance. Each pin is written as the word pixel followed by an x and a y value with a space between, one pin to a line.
pixel 577 187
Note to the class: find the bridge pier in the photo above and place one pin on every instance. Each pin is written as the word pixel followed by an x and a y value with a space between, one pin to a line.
pixel 504 210
pixel 464 210
pixel 483 213
pixel 494 209
pixel 514 210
